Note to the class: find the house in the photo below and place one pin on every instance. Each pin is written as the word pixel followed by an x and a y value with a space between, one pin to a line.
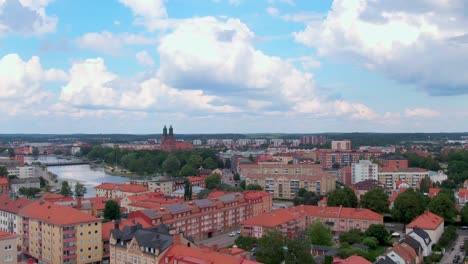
pixel 384 260
pixel 402 253
pixel 119 190
pixel 9 209
pixel 433 192
pixel 431 223
pixel 352 260
pixel 424 240
pixel 181 192
pixel 462 196
pixel 416 245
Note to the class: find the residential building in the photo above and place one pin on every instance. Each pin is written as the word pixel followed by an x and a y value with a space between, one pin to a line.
pixel 433 192
pixel 8 248
pixel 276 142
pixel 390 177
pixel 462 196
pixel 243 142
pixel 423 239
pixel 344 175
pixel 181 192
pixel 364 170
pixel 204 218
pixel 416 245
pixel 437 176
pixel 393 162
pixel 431 223
pixel 351 260
pixel 26 172
pixel 402 253
pixel 197 181
pixel 9 209
pixel 362 187
pixel 197 142
pixel 331 157
pixel 292 221
pixel 164 185
pixel 4 185
pixel 119 190
pixel 341 145
pixel 303 160
pixel 312 140
pixel 16 184
pixel 59 234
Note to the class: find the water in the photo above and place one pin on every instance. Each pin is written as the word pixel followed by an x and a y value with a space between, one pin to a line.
pixel 88 176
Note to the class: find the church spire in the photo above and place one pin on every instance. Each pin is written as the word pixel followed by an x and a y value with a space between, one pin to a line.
pixel 171 131
pixel 165 131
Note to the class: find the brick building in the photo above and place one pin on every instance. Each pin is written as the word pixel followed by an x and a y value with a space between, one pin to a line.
pixel 393 162
pixel 169 142
pixel 4 186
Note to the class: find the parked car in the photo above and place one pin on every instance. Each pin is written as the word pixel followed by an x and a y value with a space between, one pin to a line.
pixel 238 231
pixel 232 234
pixel 389 225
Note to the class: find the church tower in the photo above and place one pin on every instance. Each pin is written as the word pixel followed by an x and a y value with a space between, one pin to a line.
pixel 171 131
pixel 164 131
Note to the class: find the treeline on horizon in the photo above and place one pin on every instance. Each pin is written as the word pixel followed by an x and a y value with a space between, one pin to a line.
pixel 357 139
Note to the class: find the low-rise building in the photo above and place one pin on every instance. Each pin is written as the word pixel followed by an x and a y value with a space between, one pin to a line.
pixel 119 190
pixel 431 223
pixel 413 176
pixel 16 184
pixel 292 221
pixel 8 248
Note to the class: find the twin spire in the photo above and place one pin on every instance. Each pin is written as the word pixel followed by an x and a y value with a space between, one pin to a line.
pixel 171 131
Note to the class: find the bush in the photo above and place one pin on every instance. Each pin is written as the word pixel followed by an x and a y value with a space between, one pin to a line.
pixel 449 235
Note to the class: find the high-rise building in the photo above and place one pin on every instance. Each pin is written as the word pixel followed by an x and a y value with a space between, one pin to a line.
pixel 341 145
pixel 364 170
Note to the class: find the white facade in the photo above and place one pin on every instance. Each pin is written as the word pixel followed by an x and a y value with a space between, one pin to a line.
pixel 434 234
pixel 426 245
pixel 197 142
pixel 276 142
pixel 8 222
pixel 243 142
pixel 212 142
pixel 26 172
pixel 439 176
pixel 364 170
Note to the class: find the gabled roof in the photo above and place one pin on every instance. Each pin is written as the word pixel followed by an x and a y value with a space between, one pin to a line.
pixel 352 260
pixel 107 227
pixel 422 234
pixel 412 243
pixel 385 260
pixel 433 192
pixel 56 214
pixel 184 254
pixel 404 251
pixel 427 221
pixel 130 188
pixel 156 237
pixel 10 205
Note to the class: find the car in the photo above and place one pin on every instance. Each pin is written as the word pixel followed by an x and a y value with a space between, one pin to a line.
pixel 232 234
pixel 238 231
pixel 389 225
pixel 464 228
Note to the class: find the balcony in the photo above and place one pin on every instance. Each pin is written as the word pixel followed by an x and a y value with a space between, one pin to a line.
pixel 70 239
pixel 72 256
pixel 69 232
pixel 70 247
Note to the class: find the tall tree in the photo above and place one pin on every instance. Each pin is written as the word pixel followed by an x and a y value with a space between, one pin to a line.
pixel 425 184
pixel 212 181
pixel 464 215
pixel 342 197
pixel 3 171
pixel 171 165
pixel 210 163
pixel 408 205
pixel 297 252
pixel 66 189
pixel 375 200
pixel 254 187
pixel 80 189
pixel 270 248
pixel 379 232
pixel 320 234
pixel 111 211
pixel 443 206
pixel 35 151
pixel 187 190
pixel 352 236
pixel 188 170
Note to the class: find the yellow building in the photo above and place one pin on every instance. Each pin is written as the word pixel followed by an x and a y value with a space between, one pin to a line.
pixel 8 247
pixel 59 234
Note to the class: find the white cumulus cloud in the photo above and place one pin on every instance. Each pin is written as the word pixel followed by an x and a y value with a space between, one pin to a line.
pixel 421 112
pixel 149 13
pixel 110 43
pixel 144 58
pixel 25 17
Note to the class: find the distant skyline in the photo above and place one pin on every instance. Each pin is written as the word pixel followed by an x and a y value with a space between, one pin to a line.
pixel 233 66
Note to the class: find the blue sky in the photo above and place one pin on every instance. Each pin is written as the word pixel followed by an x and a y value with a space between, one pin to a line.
pixel 242 66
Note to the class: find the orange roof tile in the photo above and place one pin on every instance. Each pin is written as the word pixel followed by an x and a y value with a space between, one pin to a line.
pixel 5 235
pixel 463 193
pixel 215 193
pixel 183 253
pixel 131 188
pixel 255 194
pixel 56 214
pixel 427 220
pixel 433 192
pixel 7 204
pixel 405 251
pixel 274 218
pixel 3 180
pixel 109 226
pixel 195 178
pixel 352 260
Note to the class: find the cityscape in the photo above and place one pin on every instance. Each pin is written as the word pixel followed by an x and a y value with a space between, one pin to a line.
pixel 233 132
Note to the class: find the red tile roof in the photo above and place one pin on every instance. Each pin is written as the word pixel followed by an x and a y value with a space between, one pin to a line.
pixel 427 220
pixel 5 235
pixel 56 214
pixel 463 193
pixel 184 254
pixel 274 218
pixel 255 194
pixel 107 227
pixel 195 178
pixel 130 188
pixel 405 251
pixel 3 181
pixel 100 202
pixel 215 193
pixel 352 260
pixel 8 204
pixel 433 192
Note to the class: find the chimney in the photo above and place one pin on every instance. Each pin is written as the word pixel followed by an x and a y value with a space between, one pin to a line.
pixel 177 238
pixel 116 224
pixel 78 202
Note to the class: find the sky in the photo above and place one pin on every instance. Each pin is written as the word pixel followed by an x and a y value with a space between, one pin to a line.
pixel 233 66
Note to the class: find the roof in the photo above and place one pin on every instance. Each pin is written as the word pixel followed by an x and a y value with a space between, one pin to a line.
pixel 427 220
pixel 422 234
pixel 107 227
pixel 433 192
pixel 195 178
pixel 3 180
pixel 404 251
pixel 353 260
pixel 274 218
pixel 131 188
pixel 56 214
pixel 24 180
pixel 463 193
pixel 368 185
pixel 402 170
pixel 11 205
pixel 156 237
pixel 255 194
pixel 5 235
pixel 216 193
pixel 412 243
pixel 385 260
pixel 184 254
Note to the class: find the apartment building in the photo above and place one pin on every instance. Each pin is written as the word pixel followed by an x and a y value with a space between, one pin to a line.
pixel 8 248
pixel 413 176
pixel 9 209
pixel 4 185
pixel 246 169
pixel 164 185
pixel 53 233
pixel 329 157
pixel 119 190
pixel 341 145
pixel 393 162
pixel 201 219
pixel 293 221
pixel 364 170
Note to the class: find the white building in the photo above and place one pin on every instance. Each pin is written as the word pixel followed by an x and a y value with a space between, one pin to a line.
pixel 276 142
pixel 197 142
pixel 9 209
pixel 438 176
pixel 364 170
pixel 341 145
pixel 431 223
pixel 243 142
pixel 212 142
pixel 16 184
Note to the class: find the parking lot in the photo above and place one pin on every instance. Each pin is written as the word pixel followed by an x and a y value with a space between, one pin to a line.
pixel 222 240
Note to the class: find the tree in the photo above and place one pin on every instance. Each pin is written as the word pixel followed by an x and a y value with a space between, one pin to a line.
pixel 306 197
pixel 3 171
pixel 464 215
pixel 227 164
pixel 42 182
pixel 443 206
pixel 251 158
pixel 210 163
pixel 246 243
pixel 195 160
pixel 66 189
pixel 408 205
pixel 242 185
pixel 319 234
pixel 171 165
pixel 270 248
pixel 80 189
pixel 375 200
pixel 111 211
pixel 212 180
pixel 379 232
pixel 254 187
pixel 371 242
pixel 425 184
pixel 336 165
pixel 204 193
pixel 188 170
pixel 342 197
pixel 352 236
pixel 187 191
pixel 236 177
pixel 29 192
pixel 35 151
pixel 297 252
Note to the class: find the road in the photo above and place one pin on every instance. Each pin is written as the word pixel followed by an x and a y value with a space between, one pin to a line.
pixel 222 240
pixel 449 253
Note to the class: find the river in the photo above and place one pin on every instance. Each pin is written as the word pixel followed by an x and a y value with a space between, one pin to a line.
pixel 88 176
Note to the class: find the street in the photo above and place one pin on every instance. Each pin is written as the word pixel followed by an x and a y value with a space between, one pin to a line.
pixel 223 240
pixel 449 253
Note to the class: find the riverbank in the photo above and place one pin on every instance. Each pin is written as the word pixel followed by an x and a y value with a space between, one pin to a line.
pixel 117 171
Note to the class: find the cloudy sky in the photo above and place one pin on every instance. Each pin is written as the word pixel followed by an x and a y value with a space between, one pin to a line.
pixel 215 66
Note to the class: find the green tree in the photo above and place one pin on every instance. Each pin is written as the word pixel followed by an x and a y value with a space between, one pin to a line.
pixel 320 234
pixel 251 158
pixel 42 182
pixel 80 189
pixel 297 252
pixel 66 189
pixel 336 165
pixel 371 242
pixel 443 206
pixel 246 243
pixel 210 163
pixel 408 205
pixel 242 185
pixel 425 184
pixel 188 170
pixel 342 197
pixel 3 171
pixel 111 211
pixel 195 160
pixel 171 165
pixel 352 236
pixel 35 151
pixel 204 193
pixel 375 200
pixel 212 181
pixel 270 248
pixel 464 215
pixel 254 187
pixel 227 164
pixel 379 232
pixel 29 192
pixel 187 190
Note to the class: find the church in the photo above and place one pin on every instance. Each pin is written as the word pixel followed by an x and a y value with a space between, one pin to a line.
pixel 169 142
